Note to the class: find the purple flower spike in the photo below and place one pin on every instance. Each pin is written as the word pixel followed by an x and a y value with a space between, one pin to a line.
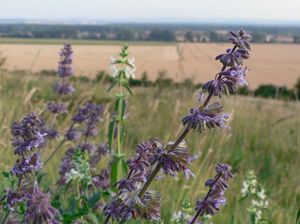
pixel 28 134
pixel 66 58
pixel 15 197
pixel 63 88
pixel 39 208
pixel 57 108
pixel 210 117
pixel 27 165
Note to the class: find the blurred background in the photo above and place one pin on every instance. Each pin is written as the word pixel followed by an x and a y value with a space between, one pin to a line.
pixel 174 44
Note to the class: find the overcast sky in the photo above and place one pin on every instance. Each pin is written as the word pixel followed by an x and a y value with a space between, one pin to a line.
pixel 138 10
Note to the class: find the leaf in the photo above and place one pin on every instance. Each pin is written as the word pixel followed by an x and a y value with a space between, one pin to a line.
pixel 114 171
pixel 5 174
pixel 93 200
pixel 111 86
pixel 128 89
pixel 124 167
pixel 111 132
pixel 298 217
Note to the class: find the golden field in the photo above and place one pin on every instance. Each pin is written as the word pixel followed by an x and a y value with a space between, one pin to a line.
pixel 277 64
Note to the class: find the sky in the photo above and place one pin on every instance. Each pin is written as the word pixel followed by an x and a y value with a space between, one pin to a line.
pixel 261 11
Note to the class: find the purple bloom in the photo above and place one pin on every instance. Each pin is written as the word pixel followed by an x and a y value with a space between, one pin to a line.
pixel 240 40
pixel 27 165
pixel 97 154
pixel 51 133
pixel 212 116
pixel 15 197
pixel 130 184
pixel 39 208
pixel 73 134
pixel 57 108
pixel 63 88
pixel 102 180
pixel 66 58
pixel 90 113
pixel 215 196
pixel 176 160
pixel 66 165
pixel 209 206
pixel 27 134
pixel 233 58
pixel 224 170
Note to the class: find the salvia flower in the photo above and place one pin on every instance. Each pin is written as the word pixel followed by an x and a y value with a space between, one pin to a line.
pixel 57 108
pixel 15 197
pixel 28 134
pixel 27 166
pixel 240 39
pixel 211 203
pixel 210 117
pixel 102 180
pixel 73 134
pixel 63 88
pixel 233 58
pixel 176 160
pixel 39 208
pixel 66 57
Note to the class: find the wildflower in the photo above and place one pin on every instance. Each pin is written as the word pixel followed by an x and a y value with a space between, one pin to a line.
pixel 63 88
pixel 97 154
pixel 27 165
pixel 127 67
pixel 129 184
pixel 176 160
pixel 253 190
pixel 73 134
pixel 102 180
pixel 233 58
pixel 57 108
pixel 39 208
pixel 211 203
pixel 210 117
pixel 15 197
pixel 90 113
pixel 66 58
pixel 27 134
pixel 240 39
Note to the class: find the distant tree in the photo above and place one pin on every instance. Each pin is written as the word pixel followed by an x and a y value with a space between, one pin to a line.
pixel 258 37
pixel 189 36
pixel 125 34
pixel 266 91
pixel 144 80
pixel 297 39
pixel 162 35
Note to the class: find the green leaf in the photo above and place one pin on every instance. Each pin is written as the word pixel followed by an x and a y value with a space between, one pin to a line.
pixel 128 89
pixel 6 174
pixel 111 86
pixel 298 217
pixel 111 132
pixel 124 167
pixel 114 170
pixel 93 200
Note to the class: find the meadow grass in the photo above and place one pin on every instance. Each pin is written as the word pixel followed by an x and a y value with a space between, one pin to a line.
pixel 264 137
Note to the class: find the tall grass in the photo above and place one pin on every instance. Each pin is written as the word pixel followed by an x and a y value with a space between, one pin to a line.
pixel 265 137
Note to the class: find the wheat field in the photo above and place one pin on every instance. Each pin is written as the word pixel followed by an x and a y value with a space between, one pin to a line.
pixel 276 64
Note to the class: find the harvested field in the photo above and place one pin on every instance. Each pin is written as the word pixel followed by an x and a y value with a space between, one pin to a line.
pixel 271 63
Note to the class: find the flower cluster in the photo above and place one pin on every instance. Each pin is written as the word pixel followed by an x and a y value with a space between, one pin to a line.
pixel 211 116
pixel 228 81
pixel 123 66
pixel 28 134
pixel 253 190
pixel 89 115
pixel 39 208
pixel 211 203
pixel 65 70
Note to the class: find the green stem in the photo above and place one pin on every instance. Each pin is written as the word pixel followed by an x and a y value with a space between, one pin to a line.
pixel 120 124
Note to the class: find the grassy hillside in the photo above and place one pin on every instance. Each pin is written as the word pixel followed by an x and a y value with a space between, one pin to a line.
pixel 264 137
